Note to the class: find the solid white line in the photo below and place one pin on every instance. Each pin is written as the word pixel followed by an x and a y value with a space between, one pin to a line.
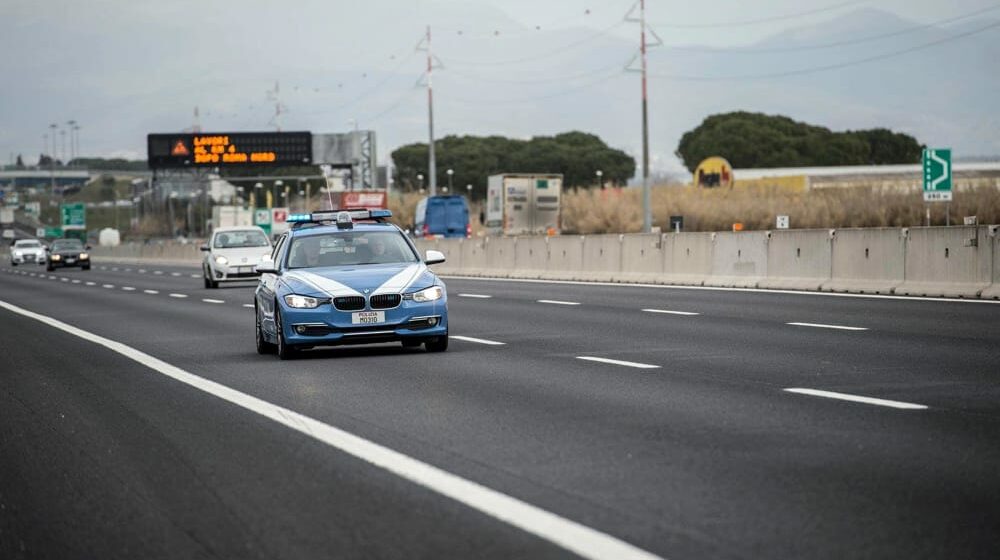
pixel 475 296
pixel 109 286
pixel 153 292
pixel 207 300
pixel 128 288
pixel 557 302
pixel 822 326
pixel 479 340
pixel 715 289
pixel 617 362
pixel 574 537
pixel 669 312
pixel 178 295
pixel 856 398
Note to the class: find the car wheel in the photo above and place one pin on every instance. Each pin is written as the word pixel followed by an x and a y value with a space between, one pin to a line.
pixel 439 345
pixel 85 267
pixel 49 268
pixel 209 283
pixel 285 351
pixel 263 346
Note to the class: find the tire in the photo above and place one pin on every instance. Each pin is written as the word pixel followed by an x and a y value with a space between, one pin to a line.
pixel 209 283
pixel 49 267
pixel 438 345
pixel 263 346
pixel 12 263
pixel 285 351
pixel 85 267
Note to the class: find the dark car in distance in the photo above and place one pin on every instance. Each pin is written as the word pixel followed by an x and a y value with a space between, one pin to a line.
pixel 67 252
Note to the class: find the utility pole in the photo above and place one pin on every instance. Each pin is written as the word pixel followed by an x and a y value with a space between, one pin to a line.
pixel 425 45
pixel 647 211
pixel 71 124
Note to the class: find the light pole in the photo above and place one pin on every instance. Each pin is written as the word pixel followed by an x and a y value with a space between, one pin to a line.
pixel 420 178
pixel 600 178
pixel 256 189
pixel 450 173
pixel 277 187
pixel 468 189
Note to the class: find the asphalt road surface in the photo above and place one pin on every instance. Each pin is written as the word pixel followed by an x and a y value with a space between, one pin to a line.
pixel 565 419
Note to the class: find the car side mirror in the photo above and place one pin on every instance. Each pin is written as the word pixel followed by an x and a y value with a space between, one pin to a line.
pixel 204 247
pixel 268 268
pixel 434 257
pixel 88 247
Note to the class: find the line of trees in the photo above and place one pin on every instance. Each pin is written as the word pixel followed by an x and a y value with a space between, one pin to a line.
pixel 577 155
pixel 755 140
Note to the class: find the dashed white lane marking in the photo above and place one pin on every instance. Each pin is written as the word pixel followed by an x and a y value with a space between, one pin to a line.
pixel 175 273
pixel 196 276
pixel 128 270
pixel 617 362
pixel 178 295
pixel 104 268
pixel 114 268
pixel 822 326
pixel 52 277
pixel 142 271
pixel 91 284
pixel 558 302
pixel 570 535
pixel 157 272
pixel 64 279
pixel 668 312
pixel 209 300
pixel 475 296
pixel 856 398
pixel 109 286
pixel 152 292
pixel 128 288
pixel 76 281
pixel 478 340
pixel 250 305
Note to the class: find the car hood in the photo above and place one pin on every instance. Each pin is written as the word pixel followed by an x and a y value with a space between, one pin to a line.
pixel 29 250
pixel 236 255
pixel 369 279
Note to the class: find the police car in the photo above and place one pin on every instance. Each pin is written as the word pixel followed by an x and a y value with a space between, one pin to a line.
pixel 348 277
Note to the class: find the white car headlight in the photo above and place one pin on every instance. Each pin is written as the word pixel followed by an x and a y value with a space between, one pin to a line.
pixel 430 294
pixel 301 302
pixel 221 260
pixel 17 253
pixel 84 256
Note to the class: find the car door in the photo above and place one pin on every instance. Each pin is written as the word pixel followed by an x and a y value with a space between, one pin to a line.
pixel 268 286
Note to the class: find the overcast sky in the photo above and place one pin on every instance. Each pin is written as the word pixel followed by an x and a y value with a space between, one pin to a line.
pixel 122 68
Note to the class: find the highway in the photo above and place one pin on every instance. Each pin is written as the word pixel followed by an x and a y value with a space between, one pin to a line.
pixel 599 420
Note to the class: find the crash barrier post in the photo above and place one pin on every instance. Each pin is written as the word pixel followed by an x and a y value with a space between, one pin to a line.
pixel 867 260
pixel 798 259
pixel 739 259
pixel 947 261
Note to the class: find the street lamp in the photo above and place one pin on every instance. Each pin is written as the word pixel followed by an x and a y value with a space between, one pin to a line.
pixel 450 172
pixel 600 175
pixel 256 188
pixel 420 178
pixel 277 187
pixel 468 189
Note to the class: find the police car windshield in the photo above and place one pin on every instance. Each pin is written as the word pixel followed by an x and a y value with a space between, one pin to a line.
pixel 349 248
pixel 237 239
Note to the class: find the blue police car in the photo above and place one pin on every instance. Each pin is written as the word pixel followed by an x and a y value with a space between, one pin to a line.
pixel 348 277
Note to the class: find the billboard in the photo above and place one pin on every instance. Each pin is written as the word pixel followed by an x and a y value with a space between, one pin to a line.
pixel 217 149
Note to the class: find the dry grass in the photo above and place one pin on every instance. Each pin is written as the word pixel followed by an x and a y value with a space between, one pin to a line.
pixel 619 211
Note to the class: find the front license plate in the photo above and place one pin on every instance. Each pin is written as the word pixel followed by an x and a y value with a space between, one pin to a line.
pixel 367 317
pixel 245 269
pixel 70 261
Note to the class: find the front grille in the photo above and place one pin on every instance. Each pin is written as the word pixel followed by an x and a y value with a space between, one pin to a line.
pixel 349 303
pixel 384 301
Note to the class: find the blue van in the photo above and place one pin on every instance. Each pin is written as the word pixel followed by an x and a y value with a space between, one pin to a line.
pixel 442 216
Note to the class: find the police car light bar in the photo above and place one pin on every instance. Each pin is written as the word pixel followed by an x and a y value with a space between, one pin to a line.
pixel 331 215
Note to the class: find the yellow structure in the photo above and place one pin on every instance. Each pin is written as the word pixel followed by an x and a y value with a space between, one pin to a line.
pixel 713 172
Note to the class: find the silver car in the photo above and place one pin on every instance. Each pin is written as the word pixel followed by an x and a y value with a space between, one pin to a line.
pixel 233 254
pixel 27 251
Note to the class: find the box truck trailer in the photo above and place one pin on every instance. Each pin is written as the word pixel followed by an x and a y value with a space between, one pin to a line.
pixel 523 203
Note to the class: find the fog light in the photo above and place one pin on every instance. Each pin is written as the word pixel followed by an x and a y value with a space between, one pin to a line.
pixel 432 321
pixel 301 329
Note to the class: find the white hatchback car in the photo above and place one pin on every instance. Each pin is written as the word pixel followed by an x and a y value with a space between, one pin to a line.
pixel 27 251
pixel 233 254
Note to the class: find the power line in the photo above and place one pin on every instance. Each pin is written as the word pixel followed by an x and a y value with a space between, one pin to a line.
pixel 828 66
pixel 548 54
pixel 561 93
pixel 841 43
pixel 758 21
pixel 588 74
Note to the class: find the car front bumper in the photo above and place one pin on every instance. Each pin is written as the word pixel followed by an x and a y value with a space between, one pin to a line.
pixel 233 273
pixel 327 326
pixel 67 263
pixel 27 259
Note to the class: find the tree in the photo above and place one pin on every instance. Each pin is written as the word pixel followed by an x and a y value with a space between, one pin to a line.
pixel 20 162
pixel 577 155
pixel 754 140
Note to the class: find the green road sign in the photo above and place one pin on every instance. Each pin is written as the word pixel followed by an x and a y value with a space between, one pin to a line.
pixel 937 175
pixel 73 215
pixel 52 233
pixel 262 219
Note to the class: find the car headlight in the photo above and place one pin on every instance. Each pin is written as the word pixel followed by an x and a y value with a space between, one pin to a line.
pixel 84 256
pixel 56 257
pixel 430 294
pixel 302 302
pixel 221 260
pixel 17 253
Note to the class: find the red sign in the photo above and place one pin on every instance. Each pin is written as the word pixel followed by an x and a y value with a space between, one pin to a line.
pixel 279 216
pixel 363 199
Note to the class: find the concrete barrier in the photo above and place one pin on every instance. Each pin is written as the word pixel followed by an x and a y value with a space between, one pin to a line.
pixel 501 257
pixel 993 291
pixel 641 258
pixel 474 256
pixel 687 258
pixel 867 261
pixel 565 260
pixel 739 259
pixel 452 249
pixel 531 257
pixel 798 259
pixel 947 261
pixel 602 258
